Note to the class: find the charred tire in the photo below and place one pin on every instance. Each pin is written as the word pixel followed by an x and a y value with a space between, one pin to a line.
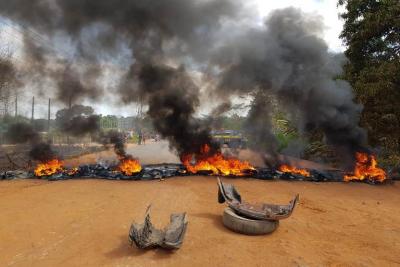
pixel 246 226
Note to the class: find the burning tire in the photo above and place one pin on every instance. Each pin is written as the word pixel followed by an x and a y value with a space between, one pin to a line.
pixel 246 226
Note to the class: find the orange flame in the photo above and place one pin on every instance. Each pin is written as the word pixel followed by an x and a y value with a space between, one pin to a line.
pixel 49 168
pixel 366 168
pixel 216 164
pixel 73 171
pixel 294 170
pixel 129 166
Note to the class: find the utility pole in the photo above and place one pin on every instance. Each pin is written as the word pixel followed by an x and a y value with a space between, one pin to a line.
pixel 140 108
pixel 69 106
pixel 48 117
pixel 16 105
pixel 33 108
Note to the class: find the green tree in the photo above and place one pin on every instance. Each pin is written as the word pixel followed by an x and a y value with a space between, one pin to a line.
pixel 109 122
pixel 371 33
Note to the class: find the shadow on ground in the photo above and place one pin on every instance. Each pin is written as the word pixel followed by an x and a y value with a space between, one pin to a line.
pixel 215 219
pixel 126 250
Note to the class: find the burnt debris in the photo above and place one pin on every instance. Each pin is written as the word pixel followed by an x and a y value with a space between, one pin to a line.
pixel 145 235
pixel 262 211
pixel 169 170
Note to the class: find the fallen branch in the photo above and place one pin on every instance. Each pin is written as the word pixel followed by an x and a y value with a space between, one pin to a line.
pixel 13 164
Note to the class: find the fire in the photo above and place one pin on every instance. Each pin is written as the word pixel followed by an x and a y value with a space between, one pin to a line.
pixel 294 170
pixel 73 171
pixel 49 168
pixel 217 164
pixel 366 168
pixel 129 166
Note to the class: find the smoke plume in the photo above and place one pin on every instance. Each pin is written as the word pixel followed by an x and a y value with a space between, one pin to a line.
pixel 286 58
pixel 154 31
pixel 21 132
pixel 258 126
pixel 73 87
pixel 289 59
pixel 173 98
pixel 78 120
pixel 117 140
pixel 42 152
pixel 7 71
pixel 95 29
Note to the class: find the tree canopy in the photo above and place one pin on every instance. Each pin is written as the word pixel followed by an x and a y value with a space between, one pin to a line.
pixel 371 33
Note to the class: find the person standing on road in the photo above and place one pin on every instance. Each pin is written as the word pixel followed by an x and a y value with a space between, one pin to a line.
pixel 140 136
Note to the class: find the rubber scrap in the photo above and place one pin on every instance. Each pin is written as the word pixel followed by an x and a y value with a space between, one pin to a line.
pixel 145 235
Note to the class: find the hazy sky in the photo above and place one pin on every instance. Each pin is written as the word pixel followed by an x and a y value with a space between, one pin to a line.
pixel 326 9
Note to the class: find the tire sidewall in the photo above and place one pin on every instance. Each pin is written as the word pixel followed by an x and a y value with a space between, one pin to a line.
pixel 246 226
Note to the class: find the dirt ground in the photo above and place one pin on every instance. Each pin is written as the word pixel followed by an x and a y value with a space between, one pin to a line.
pixel 86 223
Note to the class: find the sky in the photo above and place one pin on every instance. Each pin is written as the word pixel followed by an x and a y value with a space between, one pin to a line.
pixel 326 9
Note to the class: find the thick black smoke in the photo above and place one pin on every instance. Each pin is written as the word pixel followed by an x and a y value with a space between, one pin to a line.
pixel 95 28
pixel 153 30
pixel 258 126
pixel 42 152
pixel 216 116
pixel 289 59
pixel 73 86
pixel 7 71
pixel 221 109
pixel 117 140
pixel 21 132
pixel 78 120
pixel 173 98
pixel 286 58
pixel 80 125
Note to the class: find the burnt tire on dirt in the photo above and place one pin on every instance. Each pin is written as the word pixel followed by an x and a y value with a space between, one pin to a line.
pixel 246 226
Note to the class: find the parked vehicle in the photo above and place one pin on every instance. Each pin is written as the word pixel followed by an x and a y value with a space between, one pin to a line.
pixel 231 138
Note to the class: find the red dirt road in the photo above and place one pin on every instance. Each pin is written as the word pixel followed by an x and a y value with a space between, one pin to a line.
pixel 86 223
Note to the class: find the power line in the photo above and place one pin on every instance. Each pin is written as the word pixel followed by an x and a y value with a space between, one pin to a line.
pixel 38 39
pixel 25 32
